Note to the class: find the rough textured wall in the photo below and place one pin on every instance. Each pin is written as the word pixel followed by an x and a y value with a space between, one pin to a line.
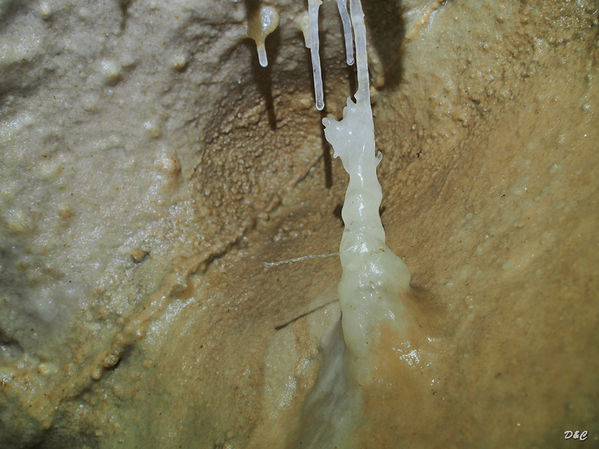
pixel 150 168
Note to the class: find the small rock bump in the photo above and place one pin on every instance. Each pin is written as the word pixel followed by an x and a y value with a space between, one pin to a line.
pixel 17 221
pixel 111 71
pixel 128 60
pixel 90 102
pixel 46 369
pixel 111 360
pixel 65 213
pixel 152 128
pixel 97 373
pixel 49 170
pixel 138 255
pixel 179 62
pixel 45 10
pixel 168 164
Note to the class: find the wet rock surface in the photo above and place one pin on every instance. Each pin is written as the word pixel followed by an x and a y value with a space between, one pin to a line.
pixel 170 218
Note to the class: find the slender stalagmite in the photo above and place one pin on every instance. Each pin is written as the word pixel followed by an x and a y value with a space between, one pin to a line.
pixel 374 282
pixel 374 278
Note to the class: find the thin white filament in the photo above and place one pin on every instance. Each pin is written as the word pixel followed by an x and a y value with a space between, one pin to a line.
pixel 299 259
pixel 357 17
pixel 313 6
pixel 347 31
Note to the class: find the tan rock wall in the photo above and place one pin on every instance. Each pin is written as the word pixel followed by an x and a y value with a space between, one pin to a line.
pixel 150 168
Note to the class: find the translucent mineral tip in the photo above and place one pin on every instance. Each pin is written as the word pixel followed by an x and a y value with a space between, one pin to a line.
pixel 262 22
pixel 313 6
pixel 262 58
pixel 347 31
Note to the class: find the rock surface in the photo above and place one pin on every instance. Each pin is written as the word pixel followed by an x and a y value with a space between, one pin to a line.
pixel 168 209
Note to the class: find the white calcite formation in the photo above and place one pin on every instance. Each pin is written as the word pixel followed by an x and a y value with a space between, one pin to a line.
pixel 262 22
pixel 374 278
